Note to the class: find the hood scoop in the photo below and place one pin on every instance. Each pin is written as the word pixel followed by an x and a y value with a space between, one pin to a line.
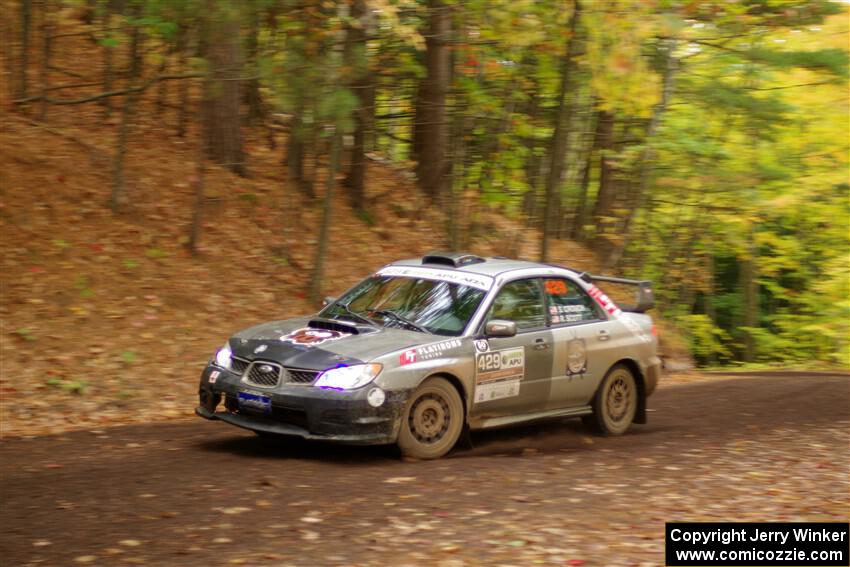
pixel 339 326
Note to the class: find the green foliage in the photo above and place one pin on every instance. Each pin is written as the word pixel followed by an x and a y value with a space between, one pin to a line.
pixel 77 387
pixel 156 253
pixel 25 334
pixel 129 357
pixel 81 283
pixel 707 341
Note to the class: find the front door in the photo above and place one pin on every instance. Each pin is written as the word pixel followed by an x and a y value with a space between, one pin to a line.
pixel 513 374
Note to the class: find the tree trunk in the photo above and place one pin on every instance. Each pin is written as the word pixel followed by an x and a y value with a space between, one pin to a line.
pixel 107 59
pixel 162 87
pixel 357 59
pixel 295 154
pixel 253 98
pixel 183 86
pixel 708 297
pixel 749 283
pixel 418 123
pixel 221 120
pixel 577 228
pixel 118 199
pixel 560 137
pixel 26 22
pixel 47 49
pixel 431 115
pixel 315 291
pixel 198 214
pixel 605 194
pixel 635 201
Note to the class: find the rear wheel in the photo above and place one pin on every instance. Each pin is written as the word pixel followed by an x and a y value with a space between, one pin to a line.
pixel 616 402
pixel 432 420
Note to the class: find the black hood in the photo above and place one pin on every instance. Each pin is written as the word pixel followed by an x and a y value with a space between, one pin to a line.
pixel 318 344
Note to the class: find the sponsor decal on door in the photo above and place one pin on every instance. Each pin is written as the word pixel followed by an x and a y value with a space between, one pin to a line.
pixel 498 374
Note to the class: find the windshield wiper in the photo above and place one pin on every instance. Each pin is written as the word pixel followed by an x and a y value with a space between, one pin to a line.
pixel 352 314
pixel 407 322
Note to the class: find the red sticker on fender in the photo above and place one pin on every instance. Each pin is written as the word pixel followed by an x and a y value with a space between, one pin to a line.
pixel 407 357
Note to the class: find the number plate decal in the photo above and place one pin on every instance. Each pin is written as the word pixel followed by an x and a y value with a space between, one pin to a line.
pixel 255 402
pixel 498 374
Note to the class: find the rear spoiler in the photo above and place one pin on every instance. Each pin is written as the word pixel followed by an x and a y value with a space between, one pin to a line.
pixel 644 301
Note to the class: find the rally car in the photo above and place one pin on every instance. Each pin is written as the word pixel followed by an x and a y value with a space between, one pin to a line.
pixel 427 348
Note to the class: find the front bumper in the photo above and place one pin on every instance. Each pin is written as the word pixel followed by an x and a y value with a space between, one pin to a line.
pixel 303 411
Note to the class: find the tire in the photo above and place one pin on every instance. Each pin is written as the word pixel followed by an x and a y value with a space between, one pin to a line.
pixel 616 402
pixel 432 420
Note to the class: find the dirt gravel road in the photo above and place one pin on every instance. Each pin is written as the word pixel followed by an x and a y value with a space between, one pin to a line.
pixel 772 447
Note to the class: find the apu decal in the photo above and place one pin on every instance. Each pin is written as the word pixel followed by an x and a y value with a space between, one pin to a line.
pixel 312 337
pixel 464 278
pixel 500 365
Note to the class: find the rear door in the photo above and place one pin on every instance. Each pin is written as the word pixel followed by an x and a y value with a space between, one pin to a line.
pixel 583 345
pixel 513 374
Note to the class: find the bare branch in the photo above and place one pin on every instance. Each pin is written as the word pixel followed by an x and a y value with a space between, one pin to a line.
pixel 141 88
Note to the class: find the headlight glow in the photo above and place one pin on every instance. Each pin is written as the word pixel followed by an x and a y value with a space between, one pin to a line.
pixel 222 357
pixel 348 377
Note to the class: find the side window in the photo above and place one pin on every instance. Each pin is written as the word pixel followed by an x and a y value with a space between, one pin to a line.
pixel 568 303
pixel 521 302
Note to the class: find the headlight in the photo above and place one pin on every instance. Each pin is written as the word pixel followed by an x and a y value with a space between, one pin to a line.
pixel 348 377
pixel 222 357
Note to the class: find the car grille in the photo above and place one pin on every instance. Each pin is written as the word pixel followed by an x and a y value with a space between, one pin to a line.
pixel 263 374
pixel 298 376
pixel 239 365
pixel 253 375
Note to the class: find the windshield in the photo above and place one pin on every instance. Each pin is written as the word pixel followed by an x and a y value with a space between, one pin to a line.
pixel 427 305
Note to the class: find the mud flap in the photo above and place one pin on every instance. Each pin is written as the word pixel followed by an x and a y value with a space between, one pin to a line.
pixel 640 412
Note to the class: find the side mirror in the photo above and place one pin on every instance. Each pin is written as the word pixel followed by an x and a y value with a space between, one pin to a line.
pixel 328 300
pixel 500 328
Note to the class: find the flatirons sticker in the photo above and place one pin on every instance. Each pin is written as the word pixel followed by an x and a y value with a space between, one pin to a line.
pixel 498 374
pixel 428 352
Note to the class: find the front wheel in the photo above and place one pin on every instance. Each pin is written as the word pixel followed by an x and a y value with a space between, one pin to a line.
pixel 616 402
pixel 432 420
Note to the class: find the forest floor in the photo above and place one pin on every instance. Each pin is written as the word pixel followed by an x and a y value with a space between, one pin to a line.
pixel 761 447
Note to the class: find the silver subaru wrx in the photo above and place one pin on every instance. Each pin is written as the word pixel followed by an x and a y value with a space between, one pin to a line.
pixel 424 347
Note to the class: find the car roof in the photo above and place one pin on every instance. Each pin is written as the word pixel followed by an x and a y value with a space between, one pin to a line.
pixel 492 266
